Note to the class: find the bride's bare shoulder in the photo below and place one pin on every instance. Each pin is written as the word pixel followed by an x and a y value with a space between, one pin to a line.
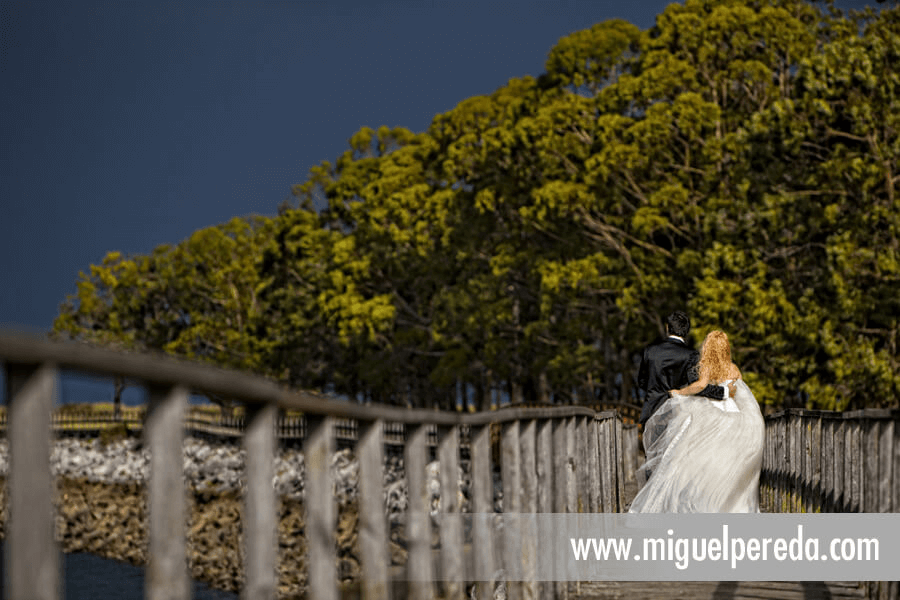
pixel 734 372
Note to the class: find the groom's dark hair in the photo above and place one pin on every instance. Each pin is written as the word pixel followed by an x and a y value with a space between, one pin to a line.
pixel 679 324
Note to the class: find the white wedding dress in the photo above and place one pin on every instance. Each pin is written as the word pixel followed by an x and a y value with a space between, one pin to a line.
pixel 703 456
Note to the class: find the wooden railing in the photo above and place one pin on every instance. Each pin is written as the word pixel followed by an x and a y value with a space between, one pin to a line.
pixel 562 459
pixel 822 461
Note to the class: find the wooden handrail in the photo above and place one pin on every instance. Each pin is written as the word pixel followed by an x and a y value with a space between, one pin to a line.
pixel 569 457
pixel 157 369
pixel 827 461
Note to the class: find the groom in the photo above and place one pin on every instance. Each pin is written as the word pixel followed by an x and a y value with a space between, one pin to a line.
pixel 669 365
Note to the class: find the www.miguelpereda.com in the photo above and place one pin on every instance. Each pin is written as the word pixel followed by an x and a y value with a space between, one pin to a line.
pixel 682 550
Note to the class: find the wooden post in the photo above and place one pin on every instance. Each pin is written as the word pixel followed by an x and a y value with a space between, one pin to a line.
pixel 895 493
pixel 796 475
pixel 320 510
pixel 593 465
pixel 605 443
pixel 871 473
pixel 167 574
pixel 260 517
pixel 483 502
pixel 838 453
pixel 620 463
pixel 827 461
pixel 451 530
pixel 582 501
pixel 885 464
pixel 855 466
pixel 545 497
pixel 418 530
pixel 815 457
pixel 570 461
pixel 778 466
pixel 511 477
pixel 32 556
pixel 804 464
pixel 528 505
pixel 560 484
pixel 772 469
pixel 373 538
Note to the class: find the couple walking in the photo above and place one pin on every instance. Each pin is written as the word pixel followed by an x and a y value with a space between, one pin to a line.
pixel 703 430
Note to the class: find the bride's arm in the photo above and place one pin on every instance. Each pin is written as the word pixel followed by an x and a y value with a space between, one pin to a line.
pixel 692 389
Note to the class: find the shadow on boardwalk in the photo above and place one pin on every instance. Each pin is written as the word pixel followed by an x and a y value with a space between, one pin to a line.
pixel 725 590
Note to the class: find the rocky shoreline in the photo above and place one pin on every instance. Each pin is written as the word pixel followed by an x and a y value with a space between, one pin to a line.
pixel 101 506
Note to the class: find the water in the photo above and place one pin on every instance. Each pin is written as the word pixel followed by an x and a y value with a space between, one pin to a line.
pixel 89 577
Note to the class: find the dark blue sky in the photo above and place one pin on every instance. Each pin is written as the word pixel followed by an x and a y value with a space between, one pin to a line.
pixel 130 124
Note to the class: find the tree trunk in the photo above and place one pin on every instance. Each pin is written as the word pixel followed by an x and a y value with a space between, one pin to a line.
pixel 543 389
pixel 515 393
pixel 118 388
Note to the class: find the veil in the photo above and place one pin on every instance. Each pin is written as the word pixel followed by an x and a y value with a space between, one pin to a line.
pixel 702 457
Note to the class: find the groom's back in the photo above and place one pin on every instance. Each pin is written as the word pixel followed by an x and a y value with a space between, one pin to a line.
pixel 666 366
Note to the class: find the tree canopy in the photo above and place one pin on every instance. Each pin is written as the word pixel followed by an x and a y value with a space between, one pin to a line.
pixel 738 160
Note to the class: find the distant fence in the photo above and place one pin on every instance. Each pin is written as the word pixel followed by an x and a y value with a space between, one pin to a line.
pixel 557 459
pixel 207 422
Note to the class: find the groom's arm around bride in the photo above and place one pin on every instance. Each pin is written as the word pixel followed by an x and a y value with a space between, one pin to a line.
pixel 670 364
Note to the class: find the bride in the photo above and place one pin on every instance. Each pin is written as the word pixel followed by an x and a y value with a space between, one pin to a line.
pixel 704 455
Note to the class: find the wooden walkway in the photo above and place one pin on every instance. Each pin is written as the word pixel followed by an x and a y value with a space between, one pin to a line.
pixel 717 590
pixel 725 590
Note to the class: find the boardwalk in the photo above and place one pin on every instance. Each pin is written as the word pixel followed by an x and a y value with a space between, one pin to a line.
pixel 715 590
pixel 726 590
pixel 559 459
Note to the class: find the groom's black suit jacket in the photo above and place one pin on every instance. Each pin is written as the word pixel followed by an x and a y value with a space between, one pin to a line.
pixel 668 365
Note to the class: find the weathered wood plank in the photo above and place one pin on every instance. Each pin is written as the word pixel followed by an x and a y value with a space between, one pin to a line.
pixel 561 480
pixel 418 527
pixel 451 532
pixel 373 544
pixel 260 516
pixel 849 461
pixel 778 465
pixel 605 443
pixel 593 466
pixel 571 474
pixel 838 457
pixel 895 487
pixel 560 466
pixel 768 504
pixel 320 509
pixel 816 465
pixel 630 442
pixel 582 499
pixel 885 466
pixel 511 478
pixel 857 465
pixel 483 502
pixel 827 462
pixel 529 505
pixel 619 470
pixel 32 555
pixel 167 573
pixel 545 496
pixel 796 474
pixel 871 430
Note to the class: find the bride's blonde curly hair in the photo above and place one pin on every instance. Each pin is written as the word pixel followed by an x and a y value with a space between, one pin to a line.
pixel 715 357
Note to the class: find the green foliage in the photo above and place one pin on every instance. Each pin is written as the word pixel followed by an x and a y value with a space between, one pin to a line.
pixel 739 158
